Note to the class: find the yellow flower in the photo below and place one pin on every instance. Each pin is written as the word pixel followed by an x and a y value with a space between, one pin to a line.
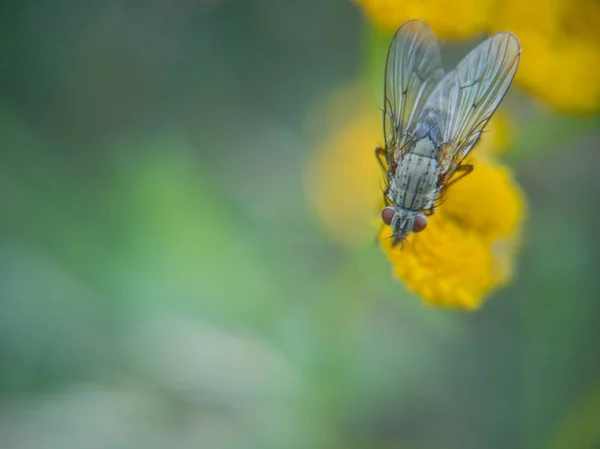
pixel 448 18
pixel 560 39
pixel 561 49
pixel 342 179
pixel 469 245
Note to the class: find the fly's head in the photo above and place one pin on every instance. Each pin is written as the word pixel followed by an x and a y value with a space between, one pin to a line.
pixel 403 223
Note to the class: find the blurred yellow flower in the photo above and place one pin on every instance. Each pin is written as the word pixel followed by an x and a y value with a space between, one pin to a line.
pixel 560 39
pixel 342 179
pixel 448 18
pixel 561 49
pixel 468 247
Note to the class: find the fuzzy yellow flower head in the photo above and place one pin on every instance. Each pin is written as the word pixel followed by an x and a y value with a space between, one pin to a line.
pixel 559 38
pixel 561 49
pixel 470 242
pixel 448 18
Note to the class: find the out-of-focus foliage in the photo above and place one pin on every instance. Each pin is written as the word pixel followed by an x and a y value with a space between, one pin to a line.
pixel 171 274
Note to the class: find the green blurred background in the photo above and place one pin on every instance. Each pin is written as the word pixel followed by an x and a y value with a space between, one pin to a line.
pixel 164 282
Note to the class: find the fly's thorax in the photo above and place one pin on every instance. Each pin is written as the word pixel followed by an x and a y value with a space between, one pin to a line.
pixel 430 126
pixel 414 184
pixel 424 147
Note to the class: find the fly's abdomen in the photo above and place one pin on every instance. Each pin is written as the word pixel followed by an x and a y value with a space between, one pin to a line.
pixel 415 182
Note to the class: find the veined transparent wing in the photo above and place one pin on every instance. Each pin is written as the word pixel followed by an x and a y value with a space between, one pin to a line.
pixel 413 68
pixel 469 95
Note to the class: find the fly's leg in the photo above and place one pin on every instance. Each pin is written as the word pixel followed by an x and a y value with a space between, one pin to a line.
pixel 430 208
pixel 386 199
pixel 465 169
pixel 441 193
pixel 381 156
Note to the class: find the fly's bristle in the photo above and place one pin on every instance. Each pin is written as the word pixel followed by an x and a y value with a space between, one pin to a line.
pixel 440 200
pixel 384 187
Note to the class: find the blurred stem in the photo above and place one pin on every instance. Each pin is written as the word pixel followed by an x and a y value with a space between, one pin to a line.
pixel 374 52
pixel 579 427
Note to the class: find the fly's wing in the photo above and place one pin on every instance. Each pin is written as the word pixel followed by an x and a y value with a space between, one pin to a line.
pixel 413 68
pixel 468 96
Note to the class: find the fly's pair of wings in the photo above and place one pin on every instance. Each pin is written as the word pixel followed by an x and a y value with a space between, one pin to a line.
pixel 464 99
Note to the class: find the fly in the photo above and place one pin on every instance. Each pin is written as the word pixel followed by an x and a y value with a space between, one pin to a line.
pixel 432 119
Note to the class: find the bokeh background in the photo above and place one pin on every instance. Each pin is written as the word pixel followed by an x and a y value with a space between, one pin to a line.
pixel 188 259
